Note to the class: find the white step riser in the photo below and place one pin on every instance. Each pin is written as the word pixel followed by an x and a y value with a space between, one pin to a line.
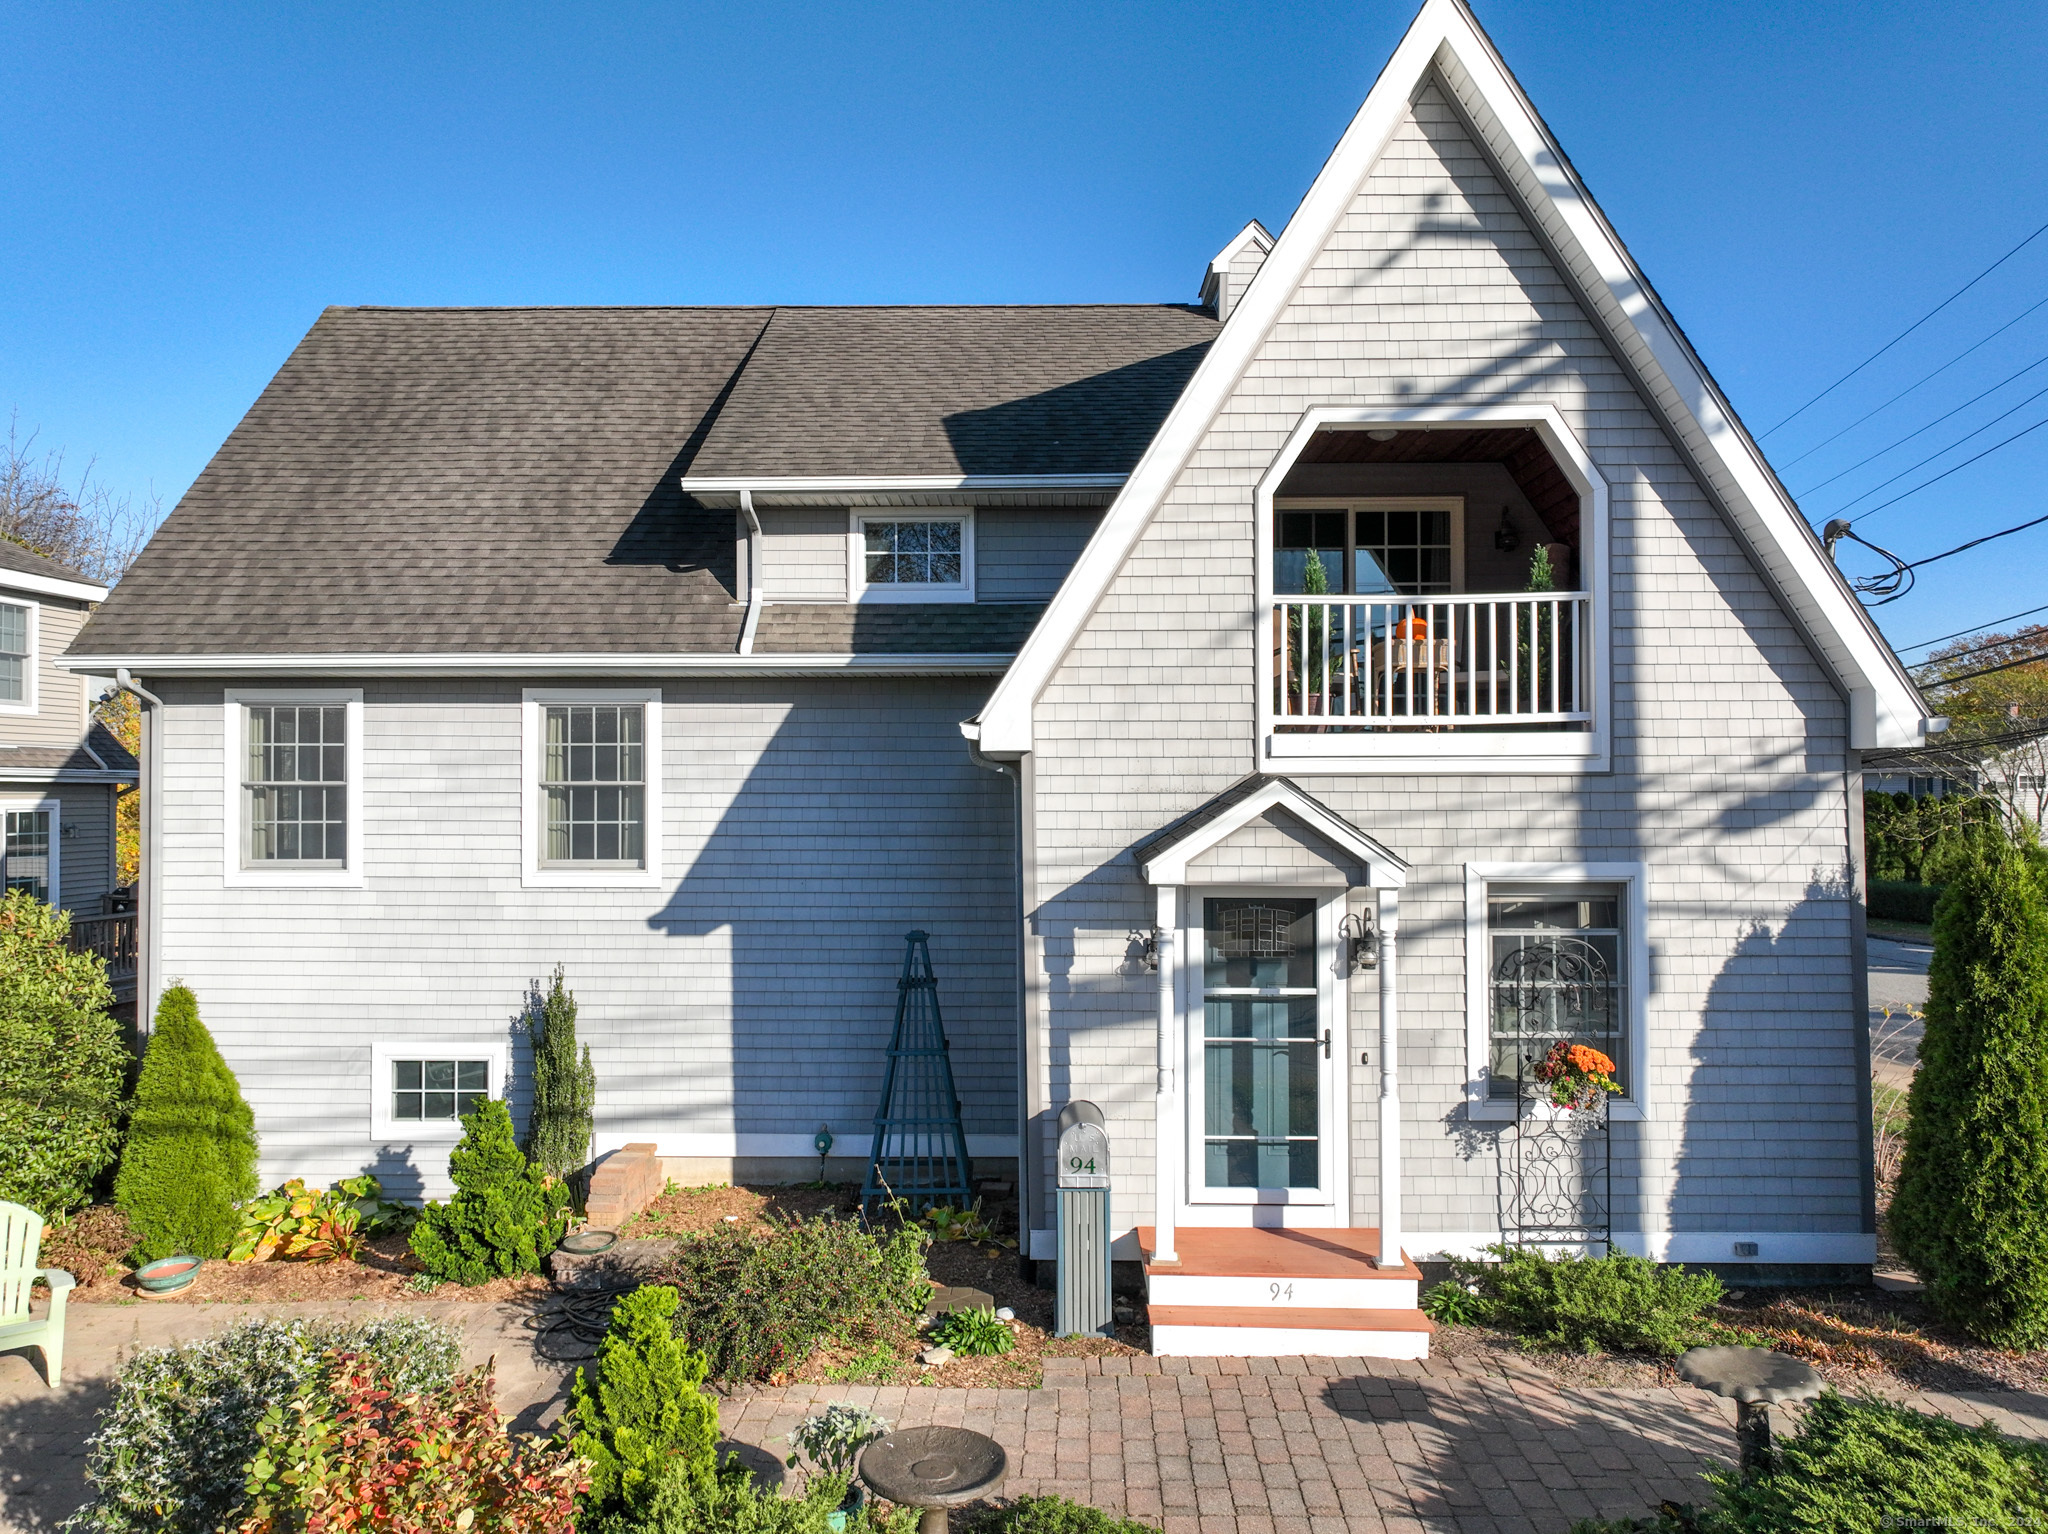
pixel 1313 1293
pixel 1284 1342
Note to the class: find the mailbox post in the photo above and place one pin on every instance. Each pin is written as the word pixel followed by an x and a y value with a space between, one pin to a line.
pixel 1082 1299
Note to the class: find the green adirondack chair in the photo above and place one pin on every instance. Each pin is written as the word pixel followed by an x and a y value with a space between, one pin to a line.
pixel 21 1240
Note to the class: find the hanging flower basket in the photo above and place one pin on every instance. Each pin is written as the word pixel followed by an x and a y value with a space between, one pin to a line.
pixel 1576 1076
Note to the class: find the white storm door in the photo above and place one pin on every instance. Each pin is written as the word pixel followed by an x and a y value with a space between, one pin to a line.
pixel 1265 1035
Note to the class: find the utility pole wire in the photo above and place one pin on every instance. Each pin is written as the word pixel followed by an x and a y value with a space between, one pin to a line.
pixel 1964 676
pixel 1895 340
pixel 1901 442
pixel 1944 474
pixel 1974 628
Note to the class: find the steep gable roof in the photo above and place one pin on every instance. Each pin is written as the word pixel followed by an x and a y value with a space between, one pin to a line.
pixel 1445 43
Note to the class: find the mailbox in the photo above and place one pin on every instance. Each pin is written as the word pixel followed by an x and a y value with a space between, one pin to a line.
pixel 1082 1297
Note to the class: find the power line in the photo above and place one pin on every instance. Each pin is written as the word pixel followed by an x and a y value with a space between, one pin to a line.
pixel 1924 378
pixel 2024 660
pixel 1965 405
pixel 1895 340
pixel 1894 583
pixel 1974 628
pixel 1944 474
pixel 1964 548
pixel 1975 649
pixel 1943 451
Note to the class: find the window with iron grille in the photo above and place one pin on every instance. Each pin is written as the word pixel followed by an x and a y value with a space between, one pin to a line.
pixel 25 852
pixel 1555 973
pixel 295 785
pixel 429 1091
pixel 593 782
pixel 16 647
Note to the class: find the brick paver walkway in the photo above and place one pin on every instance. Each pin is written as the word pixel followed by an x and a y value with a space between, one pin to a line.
pixel 1201 1446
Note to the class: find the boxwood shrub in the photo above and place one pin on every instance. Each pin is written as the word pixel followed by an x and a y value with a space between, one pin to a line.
pixel 1617 1303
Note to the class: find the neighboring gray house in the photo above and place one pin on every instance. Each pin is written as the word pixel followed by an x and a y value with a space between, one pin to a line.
pixel 1176 668
pixel 60 769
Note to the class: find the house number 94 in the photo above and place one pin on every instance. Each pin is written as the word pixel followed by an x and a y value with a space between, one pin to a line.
pixel 1081 1164
pixel 1281 1293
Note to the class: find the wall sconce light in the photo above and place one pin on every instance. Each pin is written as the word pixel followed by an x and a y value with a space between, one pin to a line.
pixel 1144 948
pixel 1507 537
pixel 1361 940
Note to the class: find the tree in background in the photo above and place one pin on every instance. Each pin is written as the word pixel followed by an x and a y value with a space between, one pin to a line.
pixel 1994 690
pixel 1971 1210
pixel 191 1154
pixel 62 1062
pixel 564 1087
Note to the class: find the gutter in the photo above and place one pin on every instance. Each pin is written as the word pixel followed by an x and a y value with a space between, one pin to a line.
pixel 149 884
pixel 755 591
pixel 544 664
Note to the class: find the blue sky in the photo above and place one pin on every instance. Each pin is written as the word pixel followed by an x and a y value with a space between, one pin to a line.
pixel 188 185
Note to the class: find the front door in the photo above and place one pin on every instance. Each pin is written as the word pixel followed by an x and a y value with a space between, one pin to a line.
pixel 1263 1128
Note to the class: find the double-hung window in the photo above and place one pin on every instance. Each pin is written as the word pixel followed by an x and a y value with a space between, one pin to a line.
pixel 592 794
pixel 913 556
pixel 294 785
pixel 17 653
pixel 25 860
pixel 593 779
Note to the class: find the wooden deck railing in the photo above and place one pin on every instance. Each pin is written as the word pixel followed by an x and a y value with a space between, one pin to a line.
pixel 112 938
pixel 1432 663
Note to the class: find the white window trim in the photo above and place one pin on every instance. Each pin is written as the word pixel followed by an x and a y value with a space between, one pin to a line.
pixel 31 683
pixel 533 804
pixel 1401 751
pixel 1454 504
pixel 55 806
pixel 1478 1044
pixel 857 587
pixel 234 824
pixel 384 1129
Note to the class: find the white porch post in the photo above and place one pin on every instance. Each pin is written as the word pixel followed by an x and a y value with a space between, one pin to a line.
pixel 1165 1116
pixel 1390 1087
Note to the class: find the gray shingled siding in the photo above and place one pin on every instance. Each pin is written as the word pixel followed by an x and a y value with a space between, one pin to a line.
pixel 1729 750
pixel 1021 554
pixel 60 715
pixel 803 553
pixel 808 825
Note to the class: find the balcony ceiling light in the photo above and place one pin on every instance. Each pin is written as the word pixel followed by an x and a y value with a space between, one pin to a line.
pixel 1383 434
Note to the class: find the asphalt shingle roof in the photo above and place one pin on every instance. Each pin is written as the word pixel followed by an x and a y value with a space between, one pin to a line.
pixel 506 480
pixel 28 562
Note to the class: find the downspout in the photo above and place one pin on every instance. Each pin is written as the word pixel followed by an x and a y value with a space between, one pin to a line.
pixel 1026 1055
pixel 754 595
pixel 148 887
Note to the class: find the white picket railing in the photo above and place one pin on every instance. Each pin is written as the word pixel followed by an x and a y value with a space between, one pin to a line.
pixel 1430 662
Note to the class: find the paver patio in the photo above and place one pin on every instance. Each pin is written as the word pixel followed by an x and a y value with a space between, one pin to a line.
pixel 1202 1446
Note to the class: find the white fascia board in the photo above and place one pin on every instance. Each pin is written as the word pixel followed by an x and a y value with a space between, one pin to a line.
pixel 1885 708
pixel 713 489
pixel 62 775
pixel 541 665
pixel 1384 869
pixel 1254 233
pixel 51 586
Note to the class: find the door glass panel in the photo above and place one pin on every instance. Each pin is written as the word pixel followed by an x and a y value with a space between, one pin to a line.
pixel 1261 1045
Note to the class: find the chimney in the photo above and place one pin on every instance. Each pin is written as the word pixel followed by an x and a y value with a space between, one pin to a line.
pixel 1234 267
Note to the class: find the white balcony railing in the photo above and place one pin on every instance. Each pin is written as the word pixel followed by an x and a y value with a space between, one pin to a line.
pixel 1379 663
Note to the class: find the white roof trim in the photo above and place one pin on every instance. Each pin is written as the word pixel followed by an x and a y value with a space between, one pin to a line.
pixel 1885 708
pixel 51 586
pixel 540 665
pixel 712 488
pixel 1254 233
pixel 1384 870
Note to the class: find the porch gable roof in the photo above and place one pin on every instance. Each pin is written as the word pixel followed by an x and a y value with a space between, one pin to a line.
pixel 1163 858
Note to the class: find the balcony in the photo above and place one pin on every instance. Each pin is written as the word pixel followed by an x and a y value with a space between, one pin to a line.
pixel 113 939
pixel 1504 662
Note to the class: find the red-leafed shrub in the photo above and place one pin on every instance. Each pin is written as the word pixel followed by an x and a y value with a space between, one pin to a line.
pixel 345 1454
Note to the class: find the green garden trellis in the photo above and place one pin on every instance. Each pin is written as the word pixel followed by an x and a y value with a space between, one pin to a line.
pixel 919 1154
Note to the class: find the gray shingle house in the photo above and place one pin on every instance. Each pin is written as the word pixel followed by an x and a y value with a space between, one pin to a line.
pixel 1291 715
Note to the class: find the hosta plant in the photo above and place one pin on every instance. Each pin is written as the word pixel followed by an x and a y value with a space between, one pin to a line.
pixel 316 1224
pixel 347 1452
pixel 975 1331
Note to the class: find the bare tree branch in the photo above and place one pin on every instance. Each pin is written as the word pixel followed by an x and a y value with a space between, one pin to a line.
pixel 83 525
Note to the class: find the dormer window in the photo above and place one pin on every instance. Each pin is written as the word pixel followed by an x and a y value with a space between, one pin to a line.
pixel 913 556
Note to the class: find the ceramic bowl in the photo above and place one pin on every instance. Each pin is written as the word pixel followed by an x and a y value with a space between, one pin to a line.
pixel 167 1274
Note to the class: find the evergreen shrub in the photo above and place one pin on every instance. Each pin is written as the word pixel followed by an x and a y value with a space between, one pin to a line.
pixel 561 1125
pixel 681 1504
pixel 646 1410
pixel 507 1214
pixel 191 1156
pixel 1053 1515
pixel 1971 1208
pixel 1617 1303
pixel 1902 900
pixel 1861 1466
pixel 62 1062
pixel 757 1304
pixel 170 1453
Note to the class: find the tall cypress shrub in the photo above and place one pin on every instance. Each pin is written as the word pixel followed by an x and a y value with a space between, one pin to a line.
pixel 1971 1211
pixel 564 1088
pixel 191 1155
